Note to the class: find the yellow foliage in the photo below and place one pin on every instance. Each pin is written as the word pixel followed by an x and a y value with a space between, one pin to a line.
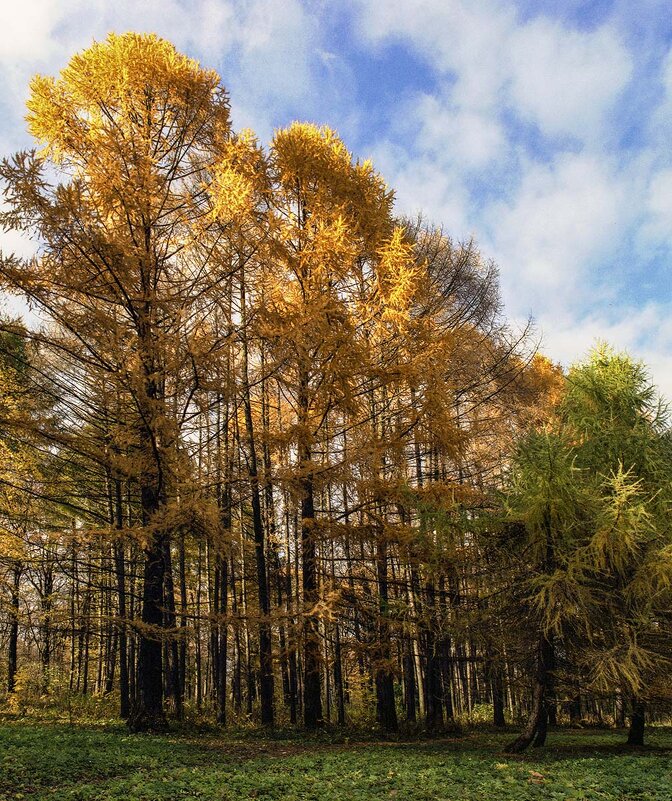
pixel 128 87
pixel 397 277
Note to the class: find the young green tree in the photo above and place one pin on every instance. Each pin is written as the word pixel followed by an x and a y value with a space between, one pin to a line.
pixel 589 497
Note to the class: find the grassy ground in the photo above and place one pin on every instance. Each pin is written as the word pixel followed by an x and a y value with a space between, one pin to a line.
pixel 57 761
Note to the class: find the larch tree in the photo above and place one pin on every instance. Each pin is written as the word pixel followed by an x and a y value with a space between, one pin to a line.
pixel 335 255
pixel 589 499
pixel 115 199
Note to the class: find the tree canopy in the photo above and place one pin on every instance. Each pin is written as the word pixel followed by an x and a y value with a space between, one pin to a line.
pixel 273 453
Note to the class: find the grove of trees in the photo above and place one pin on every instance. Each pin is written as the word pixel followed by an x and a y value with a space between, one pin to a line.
pixel 270 454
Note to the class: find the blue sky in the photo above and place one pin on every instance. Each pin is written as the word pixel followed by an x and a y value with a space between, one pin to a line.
pixel 541 129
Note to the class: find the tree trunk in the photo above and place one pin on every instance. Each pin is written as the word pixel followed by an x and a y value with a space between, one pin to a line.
pixel 223 642
pixel 433 689
pixel 575 710
pixel 149 714
pixel 497 687
pixel 338 677
pixel 538 722
pixel 265 642
pixel 12 660
pixel 637 723
pixel 46 603
pixel 170 618
pixel 409 681
pixel 385 706
pixel 312 690
pixel 120 571
pixel 182 669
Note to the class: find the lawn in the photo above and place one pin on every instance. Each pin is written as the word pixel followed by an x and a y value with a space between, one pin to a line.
pixel 76 762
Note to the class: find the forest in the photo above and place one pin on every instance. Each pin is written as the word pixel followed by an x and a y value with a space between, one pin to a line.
pixel 272 457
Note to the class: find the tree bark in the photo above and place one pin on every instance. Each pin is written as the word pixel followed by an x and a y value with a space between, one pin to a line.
pixel 266 690
pixel 385 705
pixel 149 714
pixel 537 725
pixel 312 689
pixel 12 656
pixel 637 723
pixel 125 698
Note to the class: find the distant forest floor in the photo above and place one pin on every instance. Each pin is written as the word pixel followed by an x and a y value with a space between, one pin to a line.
pixel 41 760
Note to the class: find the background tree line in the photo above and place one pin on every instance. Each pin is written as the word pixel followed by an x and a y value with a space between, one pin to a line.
pixel 272 454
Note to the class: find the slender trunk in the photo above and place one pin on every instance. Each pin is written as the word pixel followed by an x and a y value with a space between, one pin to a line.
pixel 433 689
pixel 46 602
pixel 338 677
pixel 637 722
pixel 497 687
pixel 384 680
pixel 170 617
pixel 149 714
pixel 198 656
pixel 265 641
pixel 409 681
pixel 120 570
pixel 312 690
pixel 12 660
pixel 536 727
pixel 223 642
pixel 312 683
pixel 575 711
pixel 183 619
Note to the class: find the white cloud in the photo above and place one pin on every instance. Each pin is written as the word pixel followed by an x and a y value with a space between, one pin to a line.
pixel 571 200
pixel 26 29
pixel 566 81
pixel 268 47
pixel 658 207
pixel 564 217
pixel 645 333
pixel 277 63
pixel 421 187
pixel 560 79
pixel 457 37
pixel 453 134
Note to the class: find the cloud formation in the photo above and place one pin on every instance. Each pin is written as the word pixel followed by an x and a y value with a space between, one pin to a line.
pixel 543 132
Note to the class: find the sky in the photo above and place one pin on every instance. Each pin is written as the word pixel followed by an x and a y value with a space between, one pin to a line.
pixel 541 129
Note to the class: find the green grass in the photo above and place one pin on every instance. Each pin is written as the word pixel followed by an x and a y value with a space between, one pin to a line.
pixel 56 761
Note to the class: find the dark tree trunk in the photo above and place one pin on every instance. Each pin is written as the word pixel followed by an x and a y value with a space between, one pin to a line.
pixel 120 570
pixel 149 714
pixel 182 669
pixel 214 608
pixel 312 685
pixel 385 706
pixel 637 723
pixel 497 687
pixel 575 710
pixel 12 656
pixel 338 678
pixel 433 688
pixel 223 643
pixel 537 725
pixel 46 602
pixel 293 680
pixel 542 727
pixel 265 642
pixel 409 681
